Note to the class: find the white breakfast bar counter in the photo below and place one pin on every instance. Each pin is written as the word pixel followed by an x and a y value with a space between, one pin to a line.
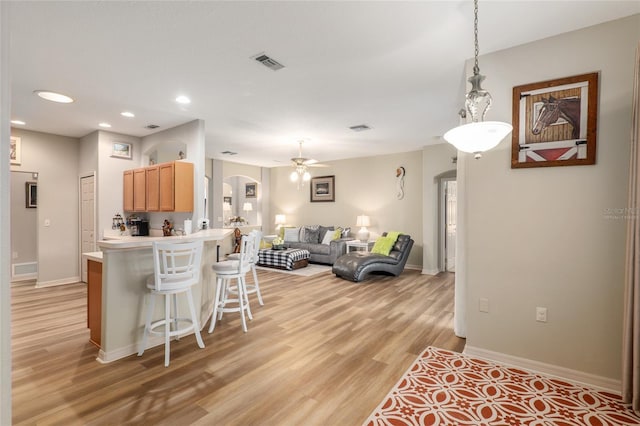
pixel 126 263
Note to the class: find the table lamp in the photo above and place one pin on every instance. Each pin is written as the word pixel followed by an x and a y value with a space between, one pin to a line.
pixel 363 233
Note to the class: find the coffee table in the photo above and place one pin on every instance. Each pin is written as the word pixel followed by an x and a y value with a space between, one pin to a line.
pixel 288 259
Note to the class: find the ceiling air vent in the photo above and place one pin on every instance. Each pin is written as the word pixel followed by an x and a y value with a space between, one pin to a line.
pixel 151 126
pixel 228 153
pixel 360 128
pixel 268 62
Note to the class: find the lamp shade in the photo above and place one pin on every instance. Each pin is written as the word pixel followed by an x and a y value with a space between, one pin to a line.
pixel 479 136
pixel 247 207
pixel 363 221
pixel 281 219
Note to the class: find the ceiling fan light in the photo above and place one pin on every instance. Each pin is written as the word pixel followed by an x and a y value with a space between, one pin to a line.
pixel 306 176
pixel 293 176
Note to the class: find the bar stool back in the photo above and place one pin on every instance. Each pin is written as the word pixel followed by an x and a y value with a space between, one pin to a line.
pixel 230 298
pixel 176 270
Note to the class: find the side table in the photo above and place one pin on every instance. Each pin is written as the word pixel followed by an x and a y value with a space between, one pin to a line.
pixel 359 245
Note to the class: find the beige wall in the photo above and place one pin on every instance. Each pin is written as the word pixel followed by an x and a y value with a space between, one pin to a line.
pixel 55 158
pixel 363 186
pixel 541 236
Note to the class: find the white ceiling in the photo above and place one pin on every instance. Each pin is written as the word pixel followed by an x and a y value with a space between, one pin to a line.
pixel 395 66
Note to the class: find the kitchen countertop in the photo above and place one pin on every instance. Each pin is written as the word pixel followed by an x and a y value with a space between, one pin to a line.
pixel 128 242
pixel 94 255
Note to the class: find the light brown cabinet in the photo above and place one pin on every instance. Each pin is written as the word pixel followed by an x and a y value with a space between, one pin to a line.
pixel 166 187
pixel 139 190
pixel 153 189
pixel 134 191
pixel 127 191
pixel 94 301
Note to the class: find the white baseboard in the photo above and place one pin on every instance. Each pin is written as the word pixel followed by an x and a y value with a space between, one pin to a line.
pixel 430 272
pixel 567 374
pixel 70 280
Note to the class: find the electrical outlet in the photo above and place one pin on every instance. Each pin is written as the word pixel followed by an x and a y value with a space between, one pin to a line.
pixel 47 222
pixel 483 305
pixel 541 314
pixel 14 255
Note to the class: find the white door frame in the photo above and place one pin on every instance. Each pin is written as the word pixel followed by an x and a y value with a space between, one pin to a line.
pixel 80 177
pixel 442 178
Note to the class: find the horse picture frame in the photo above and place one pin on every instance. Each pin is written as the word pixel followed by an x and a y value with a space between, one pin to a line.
pixel 555 122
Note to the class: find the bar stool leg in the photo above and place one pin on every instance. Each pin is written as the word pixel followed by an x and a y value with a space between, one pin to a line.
pixel 167 328
pixel 151 298
pixel 194 319
pixel 216 303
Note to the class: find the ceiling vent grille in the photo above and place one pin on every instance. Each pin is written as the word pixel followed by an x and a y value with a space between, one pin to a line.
pixel 151 126
pixel 268 62
pixel 228 153
pixel 360 128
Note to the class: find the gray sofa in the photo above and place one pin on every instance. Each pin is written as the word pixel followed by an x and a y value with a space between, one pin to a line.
pixel 321 253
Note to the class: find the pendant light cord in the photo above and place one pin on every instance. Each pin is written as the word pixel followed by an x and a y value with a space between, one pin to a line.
pixel 476 68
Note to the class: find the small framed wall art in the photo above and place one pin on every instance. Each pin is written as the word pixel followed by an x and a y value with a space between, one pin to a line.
pixel 121 150
pixel 250 190
pixel 554 122
pixel 15 152
pixel 323 189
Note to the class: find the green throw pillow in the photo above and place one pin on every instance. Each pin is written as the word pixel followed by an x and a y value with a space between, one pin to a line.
pixel 383 245
pixel 337 234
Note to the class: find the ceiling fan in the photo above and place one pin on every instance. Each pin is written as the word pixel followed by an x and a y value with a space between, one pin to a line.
pixel 300 165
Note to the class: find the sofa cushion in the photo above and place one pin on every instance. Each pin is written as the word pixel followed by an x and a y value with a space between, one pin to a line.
pixel 383 245
pixel 324 230
pixel 328 236
pixel 292 235
pixel 310 234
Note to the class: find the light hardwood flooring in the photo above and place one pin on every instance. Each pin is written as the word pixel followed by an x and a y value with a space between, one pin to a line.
pixel 322 351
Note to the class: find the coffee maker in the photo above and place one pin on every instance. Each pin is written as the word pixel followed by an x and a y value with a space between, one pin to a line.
pixel 139 228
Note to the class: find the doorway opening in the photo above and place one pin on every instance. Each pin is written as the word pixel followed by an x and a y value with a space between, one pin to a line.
pixel 447 196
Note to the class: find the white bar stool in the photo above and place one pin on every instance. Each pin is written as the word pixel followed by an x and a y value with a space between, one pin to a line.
pixel 255 287
pixel 176 270
pixel 225 272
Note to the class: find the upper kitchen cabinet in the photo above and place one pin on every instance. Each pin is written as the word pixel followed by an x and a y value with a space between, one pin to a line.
pixel 134 191
pixel 166 187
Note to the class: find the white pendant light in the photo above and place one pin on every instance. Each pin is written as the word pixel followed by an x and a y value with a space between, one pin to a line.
pixel 479 135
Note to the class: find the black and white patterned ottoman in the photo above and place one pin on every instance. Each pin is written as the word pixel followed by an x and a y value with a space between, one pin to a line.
pixel 288 259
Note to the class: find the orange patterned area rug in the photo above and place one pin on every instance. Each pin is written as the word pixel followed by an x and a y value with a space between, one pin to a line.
pixel 448 388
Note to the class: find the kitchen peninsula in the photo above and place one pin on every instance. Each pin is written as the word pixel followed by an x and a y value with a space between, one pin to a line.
pixel 126 263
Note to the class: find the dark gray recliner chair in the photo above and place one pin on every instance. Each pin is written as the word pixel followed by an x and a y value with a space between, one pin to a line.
pixel 355 266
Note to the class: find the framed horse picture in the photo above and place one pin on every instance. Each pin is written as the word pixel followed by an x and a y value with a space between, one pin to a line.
pixel 554 122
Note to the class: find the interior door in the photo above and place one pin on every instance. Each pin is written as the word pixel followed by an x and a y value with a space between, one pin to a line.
pixel 87 219
pixel 450 224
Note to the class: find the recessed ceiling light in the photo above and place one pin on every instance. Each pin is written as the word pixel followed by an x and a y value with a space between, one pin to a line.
pixel 53 96
pixel 18 122
pixel 127 114
pixel 105 125
pixel 183 100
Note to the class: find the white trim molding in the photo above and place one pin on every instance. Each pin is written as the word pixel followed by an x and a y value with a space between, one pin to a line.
pixel 70 280
pixel 567 374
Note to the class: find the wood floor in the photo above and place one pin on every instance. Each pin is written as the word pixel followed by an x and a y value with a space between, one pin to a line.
pixel 322 351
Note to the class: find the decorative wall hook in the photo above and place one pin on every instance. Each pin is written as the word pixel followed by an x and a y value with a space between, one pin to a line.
pixel 400 172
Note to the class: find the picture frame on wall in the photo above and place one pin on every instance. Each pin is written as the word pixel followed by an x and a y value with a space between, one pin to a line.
pixel 323 189
pixel 15 150
pixel 555 122
pixel 250 190
pixel 121 150
pixel 31 195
